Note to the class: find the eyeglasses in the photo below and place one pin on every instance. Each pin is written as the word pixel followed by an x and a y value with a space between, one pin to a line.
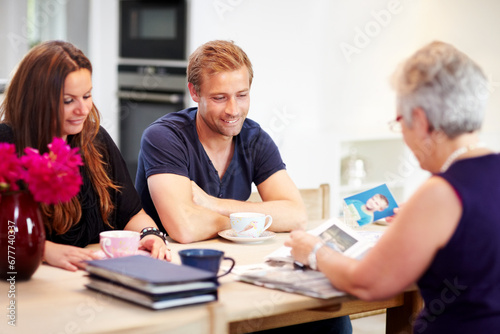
pixel 395 125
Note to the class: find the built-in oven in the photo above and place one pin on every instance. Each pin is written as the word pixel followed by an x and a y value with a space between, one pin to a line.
pixel 147 92
pixel 151 68
pixel 153 29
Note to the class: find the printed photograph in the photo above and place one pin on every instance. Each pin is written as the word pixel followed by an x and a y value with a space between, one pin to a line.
pixel 369 206
pixel 336 238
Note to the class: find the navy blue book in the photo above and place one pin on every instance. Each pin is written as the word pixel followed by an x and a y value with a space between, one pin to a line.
pixel 156 301
pixel 151 275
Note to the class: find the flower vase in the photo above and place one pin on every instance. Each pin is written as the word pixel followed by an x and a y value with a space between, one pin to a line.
pixel 22 235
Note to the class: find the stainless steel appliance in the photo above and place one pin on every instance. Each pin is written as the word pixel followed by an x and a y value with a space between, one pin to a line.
pixel 152 68
pixel 153 29
pixel 147 92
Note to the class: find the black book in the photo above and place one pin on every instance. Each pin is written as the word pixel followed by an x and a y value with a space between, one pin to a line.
pixel 154 301
pixel 151 275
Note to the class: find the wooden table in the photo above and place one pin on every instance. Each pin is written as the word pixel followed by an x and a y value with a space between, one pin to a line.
pixel 56 301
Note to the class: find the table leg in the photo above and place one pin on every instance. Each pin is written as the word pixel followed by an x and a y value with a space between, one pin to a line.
pixel 218 321
pixel 400 319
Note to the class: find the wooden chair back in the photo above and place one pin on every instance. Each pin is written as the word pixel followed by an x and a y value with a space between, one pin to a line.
pixel 316 201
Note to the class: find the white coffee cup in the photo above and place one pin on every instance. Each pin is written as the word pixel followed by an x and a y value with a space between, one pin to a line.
pixel 249 224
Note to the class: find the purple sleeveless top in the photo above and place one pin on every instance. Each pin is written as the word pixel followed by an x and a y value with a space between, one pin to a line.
pixel 461 288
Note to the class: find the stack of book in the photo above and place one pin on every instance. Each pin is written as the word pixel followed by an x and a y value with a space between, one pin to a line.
pixel 151 282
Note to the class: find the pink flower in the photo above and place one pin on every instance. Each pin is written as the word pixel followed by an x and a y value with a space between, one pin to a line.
pixel 10 167
pixel 52 177
pixel 64 154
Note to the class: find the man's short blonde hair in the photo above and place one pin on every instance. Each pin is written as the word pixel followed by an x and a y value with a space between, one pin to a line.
pixel 215 57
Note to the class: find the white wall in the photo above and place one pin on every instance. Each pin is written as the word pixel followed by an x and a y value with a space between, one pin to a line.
pixel 13 35
pixel 103 53
pixel 473 27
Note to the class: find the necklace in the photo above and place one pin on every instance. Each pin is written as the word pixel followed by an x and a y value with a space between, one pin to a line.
pixel 458 152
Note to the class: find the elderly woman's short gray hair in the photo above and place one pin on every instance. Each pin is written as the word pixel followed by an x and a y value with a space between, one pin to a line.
pixel 450 88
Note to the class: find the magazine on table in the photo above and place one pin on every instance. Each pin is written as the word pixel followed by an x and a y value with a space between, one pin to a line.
pixel 337 236
pixel 281 272
pixel 287 277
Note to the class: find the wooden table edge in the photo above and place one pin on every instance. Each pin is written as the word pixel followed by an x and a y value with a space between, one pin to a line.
pixel 401 310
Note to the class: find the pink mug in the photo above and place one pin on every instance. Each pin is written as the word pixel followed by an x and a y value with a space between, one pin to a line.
pixel 119 243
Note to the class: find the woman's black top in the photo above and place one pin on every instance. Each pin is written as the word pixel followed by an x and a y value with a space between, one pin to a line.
pixel 126 200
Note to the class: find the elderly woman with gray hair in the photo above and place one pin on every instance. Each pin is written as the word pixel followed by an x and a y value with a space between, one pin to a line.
pixel 447 235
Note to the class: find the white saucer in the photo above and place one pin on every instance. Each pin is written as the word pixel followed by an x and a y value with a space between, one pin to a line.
pixel 229 235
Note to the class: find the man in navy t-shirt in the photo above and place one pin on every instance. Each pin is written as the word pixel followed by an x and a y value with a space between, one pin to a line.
pixel 197 166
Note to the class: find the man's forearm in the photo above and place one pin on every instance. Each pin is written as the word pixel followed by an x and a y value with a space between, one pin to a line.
pixel 287 215
pixel 194 224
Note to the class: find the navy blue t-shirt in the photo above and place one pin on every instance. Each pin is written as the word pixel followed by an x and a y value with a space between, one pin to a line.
pixel 171 145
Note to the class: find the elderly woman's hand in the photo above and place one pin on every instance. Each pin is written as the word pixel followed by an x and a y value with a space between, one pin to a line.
pixel 156 246
pixel 396 210
pixel 302 244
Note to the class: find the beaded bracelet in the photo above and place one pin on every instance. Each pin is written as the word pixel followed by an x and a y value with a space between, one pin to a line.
pixel 153 230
